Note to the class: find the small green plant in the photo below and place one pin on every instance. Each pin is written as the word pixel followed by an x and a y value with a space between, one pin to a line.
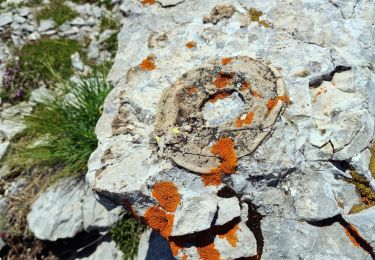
pixel 111 44
pixel 60 132
pixel 126 233
pixel 58 11
pixel 108 23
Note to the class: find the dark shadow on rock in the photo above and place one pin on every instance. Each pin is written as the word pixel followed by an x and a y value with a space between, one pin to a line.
pixel 158 248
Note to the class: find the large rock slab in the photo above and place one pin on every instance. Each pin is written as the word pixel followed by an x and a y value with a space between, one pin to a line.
pixel 221 109
pixel 68 208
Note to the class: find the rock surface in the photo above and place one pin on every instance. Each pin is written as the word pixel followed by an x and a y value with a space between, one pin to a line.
pixel 105 250
pixel 296 78
pixel 71 208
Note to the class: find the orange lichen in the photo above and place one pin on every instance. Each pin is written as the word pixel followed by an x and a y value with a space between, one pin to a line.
pixel 231 236
pixel 224 148
pixel 191 44
pixel 159 220
pixel 184 257
pixel 226 61
pixel 148 64
pixel 246 121
pixel 192 90
pixel 166 193
pixel 218 96
pixel 208 252
pixel 257 93
pixel 148 2
pixel 351 237
pixel 174 248
pixel 271 103
pixel 213 178
pixel 223 80
pixel 245 86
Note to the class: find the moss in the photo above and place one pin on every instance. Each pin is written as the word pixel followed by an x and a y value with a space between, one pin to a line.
pixel 58 11
pixel 255 17
pixel 126 233
pixel 364 190
pixel 372 161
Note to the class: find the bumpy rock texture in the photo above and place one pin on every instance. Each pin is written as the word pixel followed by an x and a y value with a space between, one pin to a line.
pixel 234 127
pixel 71 208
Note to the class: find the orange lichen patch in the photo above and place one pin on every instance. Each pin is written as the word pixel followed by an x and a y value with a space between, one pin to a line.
pixel 213 178
pixel 231 236
pixel 191 44
pixel 159 220
pixel 192 90
pixel 174 248
pixel 351 237
pixel 209 252
pixel 246 121
pixel 218 96
pixel 166 193
pixel 245 86
pixel 184 257
pixel 148 2
pixel 224 148
pixel 271 103
pixel 226 61
pixel 148 64
pixel 223 80
pixel 256 93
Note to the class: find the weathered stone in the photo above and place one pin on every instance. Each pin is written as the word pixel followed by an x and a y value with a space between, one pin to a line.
pixel 153 246
pixel 6 18
pixel 364 224
pixel 105 250
pixel 291 239
pixel 46 25
pixel 71 208
pixel 256 103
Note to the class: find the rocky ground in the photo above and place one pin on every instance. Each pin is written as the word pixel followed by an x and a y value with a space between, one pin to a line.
pixel 244 129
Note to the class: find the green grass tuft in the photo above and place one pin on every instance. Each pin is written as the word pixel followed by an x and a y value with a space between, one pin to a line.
pixel 126 233
pixel 58 11
pixel 61 131
pixel 108 23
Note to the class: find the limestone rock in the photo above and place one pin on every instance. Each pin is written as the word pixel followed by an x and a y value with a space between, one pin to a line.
pixel 71 208
pixel 238 105
pixel 293 239
pixel 105 250
pixel 364 223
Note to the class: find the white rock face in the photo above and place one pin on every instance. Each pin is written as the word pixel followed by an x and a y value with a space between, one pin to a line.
pixel 71 208
pixel 291 85
pixel 106 250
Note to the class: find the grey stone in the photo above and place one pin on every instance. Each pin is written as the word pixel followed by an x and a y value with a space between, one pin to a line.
pixel 93 50
pixel 105 250
pixel 24 11
pixel 15 187
pixel 6 18
pixel 288 239
pixel 71 208
pixel 46 25
pixel 317 113
pixel 76 62
pixel 364 223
